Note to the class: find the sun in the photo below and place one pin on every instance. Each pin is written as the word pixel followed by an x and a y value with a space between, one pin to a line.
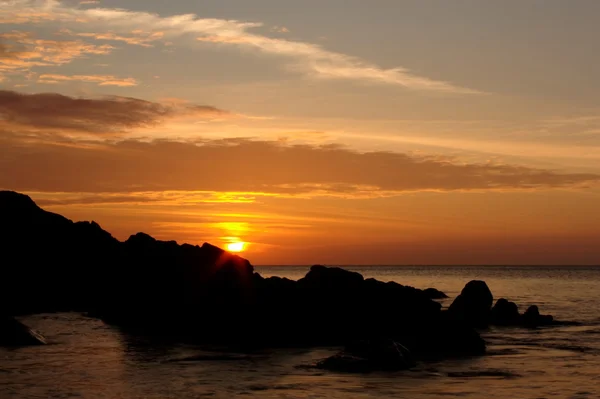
pixel 236 246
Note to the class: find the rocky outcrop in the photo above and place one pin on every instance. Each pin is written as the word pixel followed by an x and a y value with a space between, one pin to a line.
pixel 14 333
pixel 59 265
pixel 473 307
pixel 333 306
pixel 204 293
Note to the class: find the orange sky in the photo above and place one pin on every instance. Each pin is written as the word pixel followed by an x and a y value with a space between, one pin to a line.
pixel 367 139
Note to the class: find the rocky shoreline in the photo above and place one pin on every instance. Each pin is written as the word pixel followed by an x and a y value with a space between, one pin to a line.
pixel 204 294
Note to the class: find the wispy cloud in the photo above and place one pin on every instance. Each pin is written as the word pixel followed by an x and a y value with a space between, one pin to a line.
pixel 101 80
pixel 136 37
pixel 311 59
pixel 280 29
pixel 20 51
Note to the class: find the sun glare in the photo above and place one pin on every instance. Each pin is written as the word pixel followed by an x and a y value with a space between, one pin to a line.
pixel 236 246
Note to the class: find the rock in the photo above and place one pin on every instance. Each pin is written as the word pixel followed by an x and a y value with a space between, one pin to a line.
pixel 141 280
pixel 444 338
pixel 473 306
pixel 533 318
pixel 15 333
pixel 370 355
pixel 205 294
pixel 333 306
pixel 52 251
pixel 505 313
pixel 432 293
pixel 383 352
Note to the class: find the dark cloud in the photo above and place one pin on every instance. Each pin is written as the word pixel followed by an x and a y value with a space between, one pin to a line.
pixel 56 112
pixel 243 165
pixel 96 199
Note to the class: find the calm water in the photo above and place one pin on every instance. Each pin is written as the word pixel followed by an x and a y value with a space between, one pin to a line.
pixel 89 360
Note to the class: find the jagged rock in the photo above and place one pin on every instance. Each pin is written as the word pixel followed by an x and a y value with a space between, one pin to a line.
pixel 474 304
pixel 505 313
pixel 15 333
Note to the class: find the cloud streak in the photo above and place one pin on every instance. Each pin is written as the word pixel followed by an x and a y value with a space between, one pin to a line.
pixel 42 136
pixel 20 51
pixel 100 80
pixel 241 165
pixel 136 37
pixel 308 58
pixel 51 112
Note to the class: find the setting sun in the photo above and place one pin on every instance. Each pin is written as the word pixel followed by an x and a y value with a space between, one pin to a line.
pixel 236 246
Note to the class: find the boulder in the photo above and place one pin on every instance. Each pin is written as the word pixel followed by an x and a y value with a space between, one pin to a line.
pixel 533 318
pixel 15 333
pixel 505 313
pixel 473 306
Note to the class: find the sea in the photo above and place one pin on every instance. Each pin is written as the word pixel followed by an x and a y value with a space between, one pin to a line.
pixel 88 359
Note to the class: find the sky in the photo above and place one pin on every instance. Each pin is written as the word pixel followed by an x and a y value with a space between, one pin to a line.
pixel 333 132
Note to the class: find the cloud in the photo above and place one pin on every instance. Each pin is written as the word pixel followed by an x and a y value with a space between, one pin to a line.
pixel 101 80
pixel 93 199
pixel 155 197
pixel 280 29
pixel 51 112
pixel 137 37
pixel 308 58
pixel 21 51
pixel 250 166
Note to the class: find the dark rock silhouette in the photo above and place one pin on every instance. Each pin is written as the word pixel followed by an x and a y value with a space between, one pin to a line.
pixel 433 293
pixel 505 313
pixel 474 304
pixel 533 318
pixel 15 333
pixel 332 306
pixel 473 307
pixel 202 293
pixel 58 265
pixel 368 356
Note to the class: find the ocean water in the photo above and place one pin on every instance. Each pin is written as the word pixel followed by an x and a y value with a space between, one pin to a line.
pixel 87 359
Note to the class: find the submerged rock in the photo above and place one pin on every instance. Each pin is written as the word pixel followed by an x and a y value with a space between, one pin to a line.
pixel 368 356
pixel 15 333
